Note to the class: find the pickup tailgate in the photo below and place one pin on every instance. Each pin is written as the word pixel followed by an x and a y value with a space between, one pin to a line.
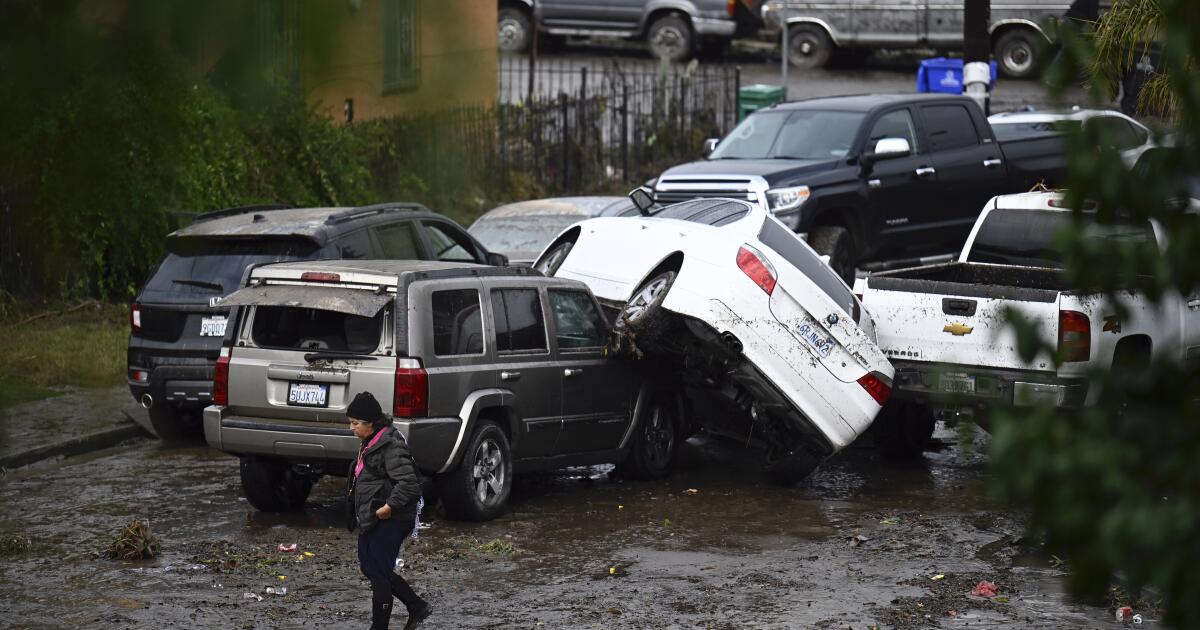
pixel 956 323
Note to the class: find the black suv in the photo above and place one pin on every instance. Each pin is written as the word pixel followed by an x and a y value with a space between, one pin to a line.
pixel 177 322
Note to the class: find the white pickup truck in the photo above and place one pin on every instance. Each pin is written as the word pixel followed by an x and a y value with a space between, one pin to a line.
pixel 944 326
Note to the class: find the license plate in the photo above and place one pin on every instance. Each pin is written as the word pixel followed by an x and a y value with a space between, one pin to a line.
pixel 212 326
pixel 958 383
pixel 308 394
pixel 815 338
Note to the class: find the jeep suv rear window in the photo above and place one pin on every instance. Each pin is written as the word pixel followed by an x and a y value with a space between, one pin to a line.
pixel 198 269
pixel 457 322
pixel 520 326
pixel 290 327
pixel 577 321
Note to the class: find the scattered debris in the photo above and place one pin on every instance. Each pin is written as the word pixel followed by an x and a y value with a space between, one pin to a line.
pixel 891 520
pixel 666 522
pixel 620 507
pixel 282 590
pixel 287 548
pixel 940 576
pixel 1137 620
pixel 282 578
pixel 497 547
pixel 135 541
pixel 309 554
pixel 13 544
pixel 985 589
pixel 249 595
pixel 1124 614
pixel 614 611
pixel 691 491
pixel 858 540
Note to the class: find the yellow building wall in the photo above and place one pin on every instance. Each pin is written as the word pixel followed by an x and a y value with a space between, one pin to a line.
pixel 457 52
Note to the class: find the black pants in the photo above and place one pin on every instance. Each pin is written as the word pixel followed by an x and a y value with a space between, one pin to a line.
pixel 377 551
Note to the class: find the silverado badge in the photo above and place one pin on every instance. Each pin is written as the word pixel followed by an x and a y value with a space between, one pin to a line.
pixel 958 330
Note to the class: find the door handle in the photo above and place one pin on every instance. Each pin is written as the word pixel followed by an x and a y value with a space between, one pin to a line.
pixel 874 183
pixel 1194 304
pixel 572 372
pixel 992 162
pixel 925 170
pixel 510 376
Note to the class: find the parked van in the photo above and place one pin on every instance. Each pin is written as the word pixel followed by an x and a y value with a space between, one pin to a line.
pixel 817 29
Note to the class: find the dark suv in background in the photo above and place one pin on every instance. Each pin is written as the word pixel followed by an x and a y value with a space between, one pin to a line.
pixel 177 322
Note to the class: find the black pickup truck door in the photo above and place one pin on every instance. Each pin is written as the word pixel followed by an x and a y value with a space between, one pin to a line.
pixel 898 189
pixel 970 169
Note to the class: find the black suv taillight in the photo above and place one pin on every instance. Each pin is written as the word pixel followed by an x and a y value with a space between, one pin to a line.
pixel 135 317
pixel 220 394
pixel 410 399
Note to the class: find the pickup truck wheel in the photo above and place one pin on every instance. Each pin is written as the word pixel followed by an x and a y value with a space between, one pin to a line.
pixel 1017 53
pixel 272 486
pixel 809 46
pixel 643 314
pixel 655 442
pixel 835 242
pixel 513 34
pixel 478 489
pixel 554 259
pixel 903 429
pixel 174 425
pixel 670 38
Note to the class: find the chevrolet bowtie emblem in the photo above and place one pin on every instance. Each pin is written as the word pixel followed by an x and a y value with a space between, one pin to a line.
pixel 958 330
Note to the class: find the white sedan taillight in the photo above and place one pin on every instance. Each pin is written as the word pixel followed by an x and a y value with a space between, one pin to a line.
pixel 757 268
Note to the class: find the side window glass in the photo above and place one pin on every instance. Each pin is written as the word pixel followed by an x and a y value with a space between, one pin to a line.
pixel 448 245
pixel 950 127
pixel 457 322
pixel 354 245
pixel 398 241
pixel 897 124
pixel 577 321
pixel 519 323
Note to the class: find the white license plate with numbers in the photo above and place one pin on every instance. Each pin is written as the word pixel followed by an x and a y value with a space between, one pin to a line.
pixel 958 383
pixel 212 326
pixel 308 394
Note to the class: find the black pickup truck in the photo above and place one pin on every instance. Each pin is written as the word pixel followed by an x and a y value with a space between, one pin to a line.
pixel 870 177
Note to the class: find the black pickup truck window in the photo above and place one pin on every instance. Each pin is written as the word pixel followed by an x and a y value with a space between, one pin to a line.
pixel 897 124
pixel 785 243
pixel 795 135
pixel 1028 238
pixel 950 127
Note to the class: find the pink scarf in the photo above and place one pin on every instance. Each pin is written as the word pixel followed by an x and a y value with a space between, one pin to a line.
pixel 359 467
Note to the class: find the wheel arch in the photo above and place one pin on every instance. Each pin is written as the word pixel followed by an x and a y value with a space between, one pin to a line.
pixel 646 395
pixel 819 23
pixel 671 262
pixel 664 11
pixel 498 405
pixel 1137 347
pixel 841 217
pixel 569 236
pixel 1000 28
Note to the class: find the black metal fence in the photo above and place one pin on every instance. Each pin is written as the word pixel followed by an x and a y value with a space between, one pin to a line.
pixel 588 128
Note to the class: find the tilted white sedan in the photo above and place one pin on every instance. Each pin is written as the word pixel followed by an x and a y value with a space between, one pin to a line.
pixel 756 321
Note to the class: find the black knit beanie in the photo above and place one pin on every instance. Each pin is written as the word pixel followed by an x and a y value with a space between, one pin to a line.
pixel 365 407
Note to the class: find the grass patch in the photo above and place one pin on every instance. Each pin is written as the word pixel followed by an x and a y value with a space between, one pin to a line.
pixel 496 547
pixel 14 544
pixel 84 347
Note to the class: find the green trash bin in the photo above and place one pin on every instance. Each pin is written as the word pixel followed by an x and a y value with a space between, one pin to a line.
pixel 752 98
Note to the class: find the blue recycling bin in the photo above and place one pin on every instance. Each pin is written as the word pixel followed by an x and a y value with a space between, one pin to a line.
pixel 945 75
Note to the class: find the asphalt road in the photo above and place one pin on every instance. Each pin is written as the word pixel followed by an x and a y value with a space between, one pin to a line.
pixel 860 543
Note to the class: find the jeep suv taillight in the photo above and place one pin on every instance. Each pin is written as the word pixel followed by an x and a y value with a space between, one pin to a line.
pixel 135 317
pixel 410 399
pixel 730 7
pixel 1074 336
pixel 877 387
pixel 220 393
pixel 757 267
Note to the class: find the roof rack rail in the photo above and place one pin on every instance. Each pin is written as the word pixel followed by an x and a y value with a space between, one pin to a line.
pixel 229 212
pixel 378 208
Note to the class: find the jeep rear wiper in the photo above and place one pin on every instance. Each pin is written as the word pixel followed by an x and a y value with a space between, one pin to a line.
pixel 202 284
pixel 328 356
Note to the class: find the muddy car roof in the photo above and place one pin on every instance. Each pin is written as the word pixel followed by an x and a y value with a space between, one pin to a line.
pixel 393 268
pixel 312 223
pixel 572 206
pixel 860 102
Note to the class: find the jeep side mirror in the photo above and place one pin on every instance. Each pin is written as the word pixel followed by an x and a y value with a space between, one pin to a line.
pixel 642 198
pixel 710 145
pixel 497 260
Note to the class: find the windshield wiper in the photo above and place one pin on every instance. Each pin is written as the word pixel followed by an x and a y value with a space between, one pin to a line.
pixel 202 284
pixel 329 356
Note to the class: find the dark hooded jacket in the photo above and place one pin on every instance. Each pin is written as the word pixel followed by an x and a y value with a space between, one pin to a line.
pixel 389 475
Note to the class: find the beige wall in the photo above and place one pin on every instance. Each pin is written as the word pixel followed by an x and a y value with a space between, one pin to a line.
pixel 458 60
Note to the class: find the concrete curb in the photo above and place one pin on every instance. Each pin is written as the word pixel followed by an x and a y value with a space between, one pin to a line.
pixel 74 446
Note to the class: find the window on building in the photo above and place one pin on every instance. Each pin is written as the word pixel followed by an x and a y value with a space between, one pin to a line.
pixel 401 67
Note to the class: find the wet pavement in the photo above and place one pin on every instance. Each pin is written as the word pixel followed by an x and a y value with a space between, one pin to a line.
pixel 715 546
pixel 75 411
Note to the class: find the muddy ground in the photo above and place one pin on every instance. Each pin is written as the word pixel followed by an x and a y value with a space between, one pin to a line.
pixel 857 545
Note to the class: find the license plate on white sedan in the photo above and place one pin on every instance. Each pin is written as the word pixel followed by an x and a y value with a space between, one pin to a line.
pixel 957 383
pixel 212 326
pixel 815 338
pixel 308 394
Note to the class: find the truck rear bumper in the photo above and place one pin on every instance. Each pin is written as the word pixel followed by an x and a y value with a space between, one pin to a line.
pixel 973 386
pixel 430 439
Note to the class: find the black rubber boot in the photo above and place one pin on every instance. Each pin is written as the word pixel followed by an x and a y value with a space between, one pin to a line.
pixel 418 609
pixel 381 605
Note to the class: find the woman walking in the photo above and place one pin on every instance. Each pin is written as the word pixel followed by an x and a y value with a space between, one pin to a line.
pixel 384 492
